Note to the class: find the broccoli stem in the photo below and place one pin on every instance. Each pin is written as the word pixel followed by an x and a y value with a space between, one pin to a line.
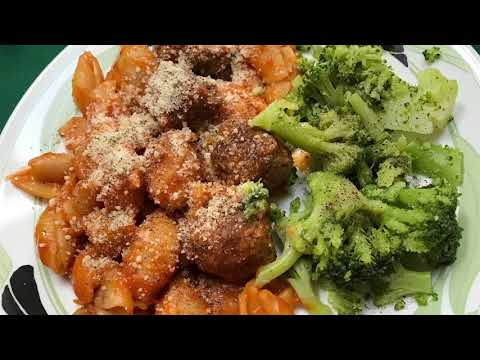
pixel 281 265
pixel 370 120
pixel 364 174
pixel 345 302
pixel 308 298
pixel 332 96
pixel 417 197
pixel 437 161
pixel 302 283
pixel 301 135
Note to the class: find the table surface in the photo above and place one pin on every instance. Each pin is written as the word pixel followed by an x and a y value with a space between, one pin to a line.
pixel 19 67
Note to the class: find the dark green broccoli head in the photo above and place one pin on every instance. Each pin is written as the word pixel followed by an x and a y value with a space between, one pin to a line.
pixel 341 236
pixel 359 68
pixel 441 233
pixel 356 237
pixel 317 86
pixel 425 218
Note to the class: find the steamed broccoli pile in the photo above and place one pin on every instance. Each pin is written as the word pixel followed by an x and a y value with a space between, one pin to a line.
pixel 366 229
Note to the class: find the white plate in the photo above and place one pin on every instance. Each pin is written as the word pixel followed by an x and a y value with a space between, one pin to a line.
pixel 47 105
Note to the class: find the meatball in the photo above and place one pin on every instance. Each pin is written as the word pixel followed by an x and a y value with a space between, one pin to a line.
pixel 172 164
pixel 175 96
pixel 168 52
pixel 150 262
pixel 242 154
pixel 213 61
pixel 220 241
pixel 193 293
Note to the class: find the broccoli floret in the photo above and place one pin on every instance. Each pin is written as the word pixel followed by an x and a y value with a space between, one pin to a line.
pixel 276 214
pixel 357 68
pixel 336 231
pixel 255 199
pixel 402 283
pixel 426 217
pixel 441 233
pixel 392 159
pixel 330 145
pixel 356 236
pixel 301 280
pixel 317 230
pixel 387 148
pixel 386 159
pixel 425 109
pixel 317 85
pixel 431 55
pixel 392 169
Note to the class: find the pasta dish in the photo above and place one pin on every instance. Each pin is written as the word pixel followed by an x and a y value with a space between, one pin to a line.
pixel 145 209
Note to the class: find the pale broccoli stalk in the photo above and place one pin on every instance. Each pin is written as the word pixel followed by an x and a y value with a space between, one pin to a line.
pixel 301 281
pixel 371 121
pixel 255 199
pixel 431 55
pixel 392 160
pixel 345 302
pixel 402 283
pixel 437 161
pixel 289 255
pixel 283 263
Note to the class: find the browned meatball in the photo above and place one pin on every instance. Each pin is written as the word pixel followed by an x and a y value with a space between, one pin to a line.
pixel 214 61
pixel 242 154
pixel 175 96
pixel 193 293
pixel 172 164
pixel 220 241
pixel 168 52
